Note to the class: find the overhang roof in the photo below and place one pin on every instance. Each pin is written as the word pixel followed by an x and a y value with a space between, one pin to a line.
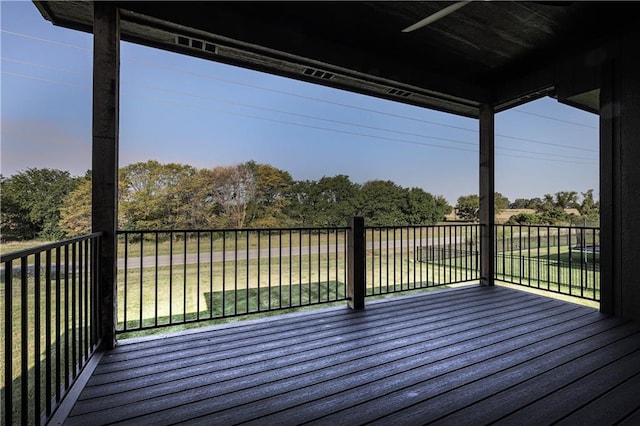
pixel 498 52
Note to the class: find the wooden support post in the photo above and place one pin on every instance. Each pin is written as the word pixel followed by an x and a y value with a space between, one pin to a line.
pixel 620 180
pixel 356 263
pixel 487 190
pixel 104 211
pixel 610 302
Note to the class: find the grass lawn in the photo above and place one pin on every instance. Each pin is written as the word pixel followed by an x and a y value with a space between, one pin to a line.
pixel 11 246
pixel 188 292
pixel 206 241
pixel 207 290
pixel 561 270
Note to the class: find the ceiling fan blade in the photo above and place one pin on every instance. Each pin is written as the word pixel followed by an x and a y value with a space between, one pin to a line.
pixel 438 15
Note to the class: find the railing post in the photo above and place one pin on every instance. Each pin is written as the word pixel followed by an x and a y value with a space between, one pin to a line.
pixel 487 191
pixel 356 263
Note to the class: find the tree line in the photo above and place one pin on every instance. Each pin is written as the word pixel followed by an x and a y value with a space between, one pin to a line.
pixel 549 210
pixel 552 209
pixel 51 204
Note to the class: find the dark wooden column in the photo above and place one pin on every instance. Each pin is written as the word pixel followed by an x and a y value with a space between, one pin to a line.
pixel 106 82
pixel 620 181
pixel 487 190
pixel 356 263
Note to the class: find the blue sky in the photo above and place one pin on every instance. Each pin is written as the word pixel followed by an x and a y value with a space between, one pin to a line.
pixel 180 109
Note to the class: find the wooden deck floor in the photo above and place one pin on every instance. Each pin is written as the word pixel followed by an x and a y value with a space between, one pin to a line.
pixel 472 355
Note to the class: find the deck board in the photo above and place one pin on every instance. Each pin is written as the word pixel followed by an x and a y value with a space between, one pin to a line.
pixel 613 406
pixel 481 364
pixel 394 383
pixel 559 404
pixel 632 419
pixel 472 355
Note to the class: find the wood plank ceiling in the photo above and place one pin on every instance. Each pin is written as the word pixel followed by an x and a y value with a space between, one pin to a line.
pixel 498 52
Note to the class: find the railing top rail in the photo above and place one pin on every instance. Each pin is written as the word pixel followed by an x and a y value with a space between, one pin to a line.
pixel 8 257
pixel 452 225
pixel 540 226
pixel 182 231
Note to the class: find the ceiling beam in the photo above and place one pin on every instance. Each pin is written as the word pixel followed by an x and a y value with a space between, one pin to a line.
pixel 291 50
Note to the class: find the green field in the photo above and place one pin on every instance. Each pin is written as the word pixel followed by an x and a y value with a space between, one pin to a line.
pixel 560 270
pixel 185 292
pixel 206 241
pixel 188 292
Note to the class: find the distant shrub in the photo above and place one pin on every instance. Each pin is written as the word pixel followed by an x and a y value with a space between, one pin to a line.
pixel 524 219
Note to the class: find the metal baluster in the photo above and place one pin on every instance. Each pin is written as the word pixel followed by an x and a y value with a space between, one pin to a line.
pixel 8 342
pixel 24 340
pixel 211 301
pixel 47 314
pixel 157 267
pixel 36 338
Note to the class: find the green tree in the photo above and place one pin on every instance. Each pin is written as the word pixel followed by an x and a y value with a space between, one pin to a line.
pixel 234 188
pixel 149 196
pixel 13 223
pixel 422 208
pixel 526 203
pixel 195 208
pixel 272 187
pixel 534 203
pixel 31 203
pixel 468 207
pixel 550 212
pixel 75 215
pixel 221 197
pixel 443 207
pixel 327 202
pixel 566 199
pixel 339 199
pixel 383 203
pixel 523 219
pixel 303 199
pixel 589 208
pixel 500 202
pixel 519 203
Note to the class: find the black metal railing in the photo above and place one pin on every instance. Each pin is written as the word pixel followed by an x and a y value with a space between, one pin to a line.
pixel 51 324
pixel 560 259
pixel 403 258
pixel 50 296
pixel 177 277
